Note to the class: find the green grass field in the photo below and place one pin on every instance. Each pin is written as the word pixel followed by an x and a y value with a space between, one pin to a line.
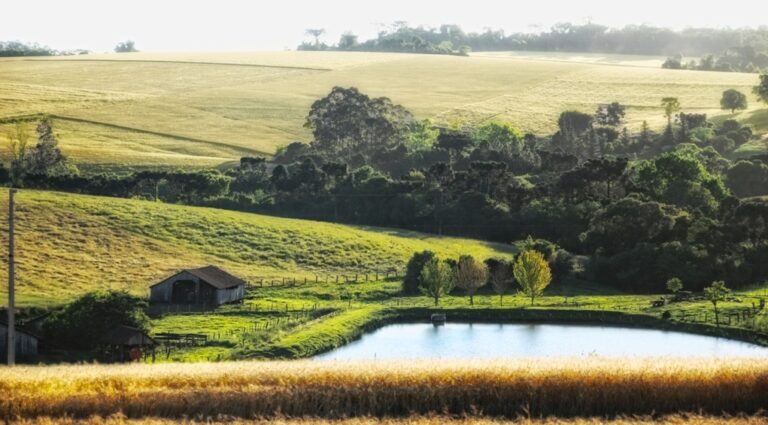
pixel 198 109
pixel 68 244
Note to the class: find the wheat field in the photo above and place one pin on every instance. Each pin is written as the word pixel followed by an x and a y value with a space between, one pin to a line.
pixel 538 388
pixel 199 109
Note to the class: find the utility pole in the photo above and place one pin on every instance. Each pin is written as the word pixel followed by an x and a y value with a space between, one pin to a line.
pixel 11 284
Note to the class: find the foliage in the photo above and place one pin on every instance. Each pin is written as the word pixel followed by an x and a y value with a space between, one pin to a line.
pixel 501 278
pixel 500 136
pixel 347 122
pixel 674 285
pixel 471 275
pixel 532 273
pixel 761 90
pixel 437 279
pixel 412 279
pixel 84 321
pixel 733 100
pixel 126 47
pixel 716 293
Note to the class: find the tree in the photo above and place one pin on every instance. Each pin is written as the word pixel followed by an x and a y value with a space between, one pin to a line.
pixel 761 90
pixel 436 279
pixel 45 158
pixel 671 106
pixel 83 322
pixel 18 139
pixel 346 122
pixel 412 279
pixel 126 47
pixel 501 136
pixel 532 273
pixel 423 136
pixel 316 33
pixel 611 114
pixel 471 275
pixel 733 100
pixel 348 41
pixel 674 285
pixel 501 279
pixel 715 293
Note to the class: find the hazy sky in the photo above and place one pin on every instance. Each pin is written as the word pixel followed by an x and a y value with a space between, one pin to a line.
pixel 167 25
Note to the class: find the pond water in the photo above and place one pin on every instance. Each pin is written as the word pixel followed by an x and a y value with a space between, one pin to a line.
pixel 464 340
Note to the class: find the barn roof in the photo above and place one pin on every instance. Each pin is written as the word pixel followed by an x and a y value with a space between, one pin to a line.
pixel 127 335
pixel 213 276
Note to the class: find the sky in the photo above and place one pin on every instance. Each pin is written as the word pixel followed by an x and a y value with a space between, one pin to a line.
pixel 242 25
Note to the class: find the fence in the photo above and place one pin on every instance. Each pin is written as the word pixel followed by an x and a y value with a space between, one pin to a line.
pixel 358 277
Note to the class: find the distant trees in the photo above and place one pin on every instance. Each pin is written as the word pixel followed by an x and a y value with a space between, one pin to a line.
pixel 17 48
pixel 18 138
pixel 126 47
pixel 471 275
pixel 611 114
pixel 532 273
pixel 45 158
pixel 733 100
pixel 316 33
pixel 500 136
pixel 437 279
pixel 716 293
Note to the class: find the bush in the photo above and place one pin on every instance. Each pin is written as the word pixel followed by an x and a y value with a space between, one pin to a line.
pixel 413 270
pixel 83 322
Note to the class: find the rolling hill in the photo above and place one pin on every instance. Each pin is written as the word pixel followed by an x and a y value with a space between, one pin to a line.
pixel 204 109
pixel 68 244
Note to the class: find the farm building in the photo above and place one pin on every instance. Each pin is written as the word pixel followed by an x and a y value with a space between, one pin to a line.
pixel 126 343
pixel 206 286
pixel 26 343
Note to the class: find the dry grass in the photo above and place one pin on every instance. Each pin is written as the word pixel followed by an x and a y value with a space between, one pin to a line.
pixel 532 388
pixel 416 420
pixel 258 101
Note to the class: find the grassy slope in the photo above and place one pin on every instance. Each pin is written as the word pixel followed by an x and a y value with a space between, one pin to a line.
pixel 228 100
pixel 67 244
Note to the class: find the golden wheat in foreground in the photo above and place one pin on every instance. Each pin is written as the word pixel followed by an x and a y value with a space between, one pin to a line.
pixel 567 388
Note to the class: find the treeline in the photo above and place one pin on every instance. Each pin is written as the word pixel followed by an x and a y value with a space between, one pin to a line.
pixel 18 48
pixel 564 37
pixel 735 59
pixel 642 207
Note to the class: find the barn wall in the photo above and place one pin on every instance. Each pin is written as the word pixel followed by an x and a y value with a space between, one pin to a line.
pixel 161 293
pixel 26 345
pixel 226 296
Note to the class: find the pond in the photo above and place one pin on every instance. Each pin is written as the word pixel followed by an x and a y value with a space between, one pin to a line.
pixel 465 340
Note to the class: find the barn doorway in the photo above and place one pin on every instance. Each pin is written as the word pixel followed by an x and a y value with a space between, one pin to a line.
pixel 183 292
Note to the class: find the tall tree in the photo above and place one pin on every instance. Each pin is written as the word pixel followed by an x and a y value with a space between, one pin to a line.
pixel 316 33
pixel 436 279
pixel 18 139
pixel 733 100
pixel 45 158
pixel 532 273
pixel 501 279
pixel 716 293
pixel 611 114
pixel 126 47
pixel 671 106
pixel 471 275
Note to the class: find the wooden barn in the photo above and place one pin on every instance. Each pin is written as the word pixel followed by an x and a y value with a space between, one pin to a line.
pixel 206 286
pixel 26 343
pixel 126 343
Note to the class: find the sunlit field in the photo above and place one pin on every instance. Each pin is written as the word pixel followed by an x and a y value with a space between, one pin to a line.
pixel 510 389
pixel 149 109
pixel 68 244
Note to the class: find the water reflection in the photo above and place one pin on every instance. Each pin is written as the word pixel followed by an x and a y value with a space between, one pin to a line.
pixel 463 340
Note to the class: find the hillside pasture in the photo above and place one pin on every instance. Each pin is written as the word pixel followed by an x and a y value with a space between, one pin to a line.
pixel 228 105
pixel 68 244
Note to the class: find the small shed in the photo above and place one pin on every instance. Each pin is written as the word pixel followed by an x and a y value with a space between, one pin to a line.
pixel 26 343
pixel 205 286
pixel 126 343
